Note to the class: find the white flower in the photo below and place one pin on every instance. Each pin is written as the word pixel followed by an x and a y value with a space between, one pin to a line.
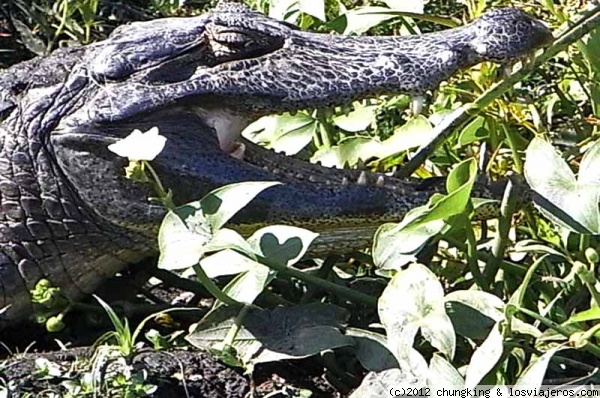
pixel 140 146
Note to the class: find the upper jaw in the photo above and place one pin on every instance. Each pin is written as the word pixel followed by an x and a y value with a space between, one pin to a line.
pixel 309 70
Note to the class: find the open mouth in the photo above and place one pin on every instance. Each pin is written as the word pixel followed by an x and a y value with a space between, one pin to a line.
pixel 288 169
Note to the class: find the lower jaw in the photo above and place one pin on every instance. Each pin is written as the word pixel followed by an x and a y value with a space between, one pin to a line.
pixel 289 169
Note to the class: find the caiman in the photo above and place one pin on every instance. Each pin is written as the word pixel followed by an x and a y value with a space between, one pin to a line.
pixel 69 215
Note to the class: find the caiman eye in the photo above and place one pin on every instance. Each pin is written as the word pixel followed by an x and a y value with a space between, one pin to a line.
pixel 233 39
pixel 229 43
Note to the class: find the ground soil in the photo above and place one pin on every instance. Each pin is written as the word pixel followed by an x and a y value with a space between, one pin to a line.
pixel 203 374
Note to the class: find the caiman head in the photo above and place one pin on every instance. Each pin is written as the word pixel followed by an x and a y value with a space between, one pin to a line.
pixel 239 61
pixel 209 76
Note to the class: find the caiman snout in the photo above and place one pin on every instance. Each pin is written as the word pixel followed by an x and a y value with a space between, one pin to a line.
pixel 507 34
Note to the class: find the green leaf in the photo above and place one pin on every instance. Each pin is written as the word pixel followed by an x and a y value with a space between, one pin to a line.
pixel 485 357
pixel 288 9
pixel 483 302
pixel 247 286
pixel 473 312
pixel 315 8
pixel 226 262
pixel 281 245
pixel 348 152
pixel 589 169
pixel 412 372
pixel 442 374
pixel 272 335
pixel 473 132
pixel 396 245
pixel 444 21
pixel 591 314
pixel 120 327
pixel 469 322
pixel 358 120
pixel 413 300
pixel 371 350
pixel 534 374
pixel 379 384
pixel 186 232
pixel 285 10
pixel 518 296
pixel 464 173
pixel 179 247
pixel 252 276
pixel 33 43
pixel 223 203
pixel 361 19
pixel 416 132
pixel 226 238
pixel 590 48
pixel 566 201
pixel 455 202
pixel 283 133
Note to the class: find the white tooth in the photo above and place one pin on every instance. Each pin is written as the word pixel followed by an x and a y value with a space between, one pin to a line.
pixel 362 178
pixel 416 104
pixel 238 153
pixel 380 181
pixel 345 181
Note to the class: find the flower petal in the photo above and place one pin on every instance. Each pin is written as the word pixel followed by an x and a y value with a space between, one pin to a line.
pixel 140 146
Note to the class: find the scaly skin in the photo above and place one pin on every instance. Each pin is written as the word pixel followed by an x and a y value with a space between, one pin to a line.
pixel 69 215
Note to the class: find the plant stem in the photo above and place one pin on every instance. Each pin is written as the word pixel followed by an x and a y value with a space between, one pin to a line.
pixel 588 277
pixel 237 325
pixel 589 347
pixel 212 287
pixel 325 132
pixel 584 243
pixel 339 290
pixel 506 266
pixel 63 20
pixel 507 208
pixel 322 272
pixel 164 196
pixel 472 255
pixel 510 139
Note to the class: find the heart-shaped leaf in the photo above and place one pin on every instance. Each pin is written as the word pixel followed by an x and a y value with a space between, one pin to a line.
pixel 413 300
pixel 562 198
